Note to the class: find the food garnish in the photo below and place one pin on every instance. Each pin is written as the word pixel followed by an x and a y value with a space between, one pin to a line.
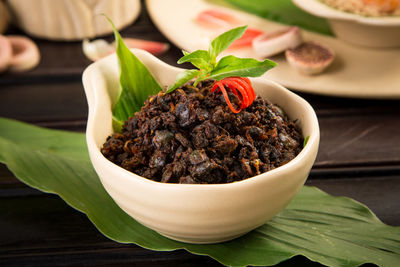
pixel 247 39
pixel 240 86
pixel 306 140
pixel 96 49
pixel 219 20
pixel 272 43
pixel 100 48
pixel 136 83
pixel 214 18
pixel 266 44
pixel 153 47
pixel 223 71
pixel 310 57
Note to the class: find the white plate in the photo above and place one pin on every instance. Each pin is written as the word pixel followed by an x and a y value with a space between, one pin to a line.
pixel 356 72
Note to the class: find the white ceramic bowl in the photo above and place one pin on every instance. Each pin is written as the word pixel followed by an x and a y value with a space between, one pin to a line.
pixel 374 32
pixel 66 20
pixel 195 213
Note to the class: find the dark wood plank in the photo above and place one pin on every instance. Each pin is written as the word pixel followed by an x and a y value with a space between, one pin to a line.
pixel 45 101
pixel 58 234
pixel 359 140
pixel 327 106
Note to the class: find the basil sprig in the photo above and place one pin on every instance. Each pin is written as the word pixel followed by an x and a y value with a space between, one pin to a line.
pixel 228 66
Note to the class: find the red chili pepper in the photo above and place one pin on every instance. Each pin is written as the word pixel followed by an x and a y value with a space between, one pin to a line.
pixel 247 38
pixel 240 86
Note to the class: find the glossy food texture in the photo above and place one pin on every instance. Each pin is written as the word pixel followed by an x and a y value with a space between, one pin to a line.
pixel 192 136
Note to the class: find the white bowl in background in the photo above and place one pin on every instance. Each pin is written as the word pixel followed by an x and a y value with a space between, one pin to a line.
pixel 66 20
pixel 374 32
pixel 195 213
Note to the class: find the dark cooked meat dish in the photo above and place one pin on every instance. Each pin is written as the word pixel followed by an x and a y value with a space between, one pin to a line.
pixel 191 136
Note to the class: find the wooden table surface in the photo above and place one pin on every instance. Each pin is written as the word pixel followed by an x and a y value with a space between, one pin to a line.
pixel 359 157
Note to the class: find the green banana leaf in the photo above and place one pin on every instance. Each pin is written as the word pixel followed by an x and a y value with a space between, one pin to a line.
pixel 284 11
pixel 334 231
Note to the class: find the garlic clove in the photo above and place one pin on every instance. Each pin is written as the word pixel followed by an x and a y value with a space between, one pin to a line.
pixel 97 49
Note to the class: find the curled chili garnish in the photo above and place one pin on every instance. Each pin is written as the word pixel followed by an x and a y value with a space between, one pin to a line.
pixel 230 72
pixel 240 86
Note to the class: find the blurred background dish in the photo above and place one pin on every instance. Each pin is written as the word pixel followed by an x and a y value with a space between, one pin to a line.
pixel 356 72
pixel 72 19
pixel 370 31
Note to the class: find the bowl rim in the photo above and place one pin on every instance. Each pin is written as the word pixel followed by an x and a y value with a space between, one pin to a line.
pixel 317 8
pixel 304 155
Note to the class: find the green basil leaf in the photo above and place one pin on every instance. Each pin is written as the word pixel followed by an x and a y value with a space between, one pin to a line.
pixel 183 78
pixel 136 83
pixel 284 11
pixel 223 41
pixel 333 231
pixel 230 66
pixel 306 140
pixel 199 58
